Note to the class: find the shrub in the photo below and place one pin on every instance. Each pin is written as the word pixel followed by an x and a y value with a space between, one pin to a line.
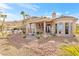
pixel 70 50
pixel 4 34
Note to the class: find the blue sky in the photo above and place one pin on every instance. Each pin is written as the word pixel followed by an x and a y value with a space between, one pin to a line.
pixel 38 9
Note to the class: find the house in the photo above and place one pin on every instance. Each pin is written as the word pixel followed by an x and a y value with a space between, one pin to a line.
pixel 59 26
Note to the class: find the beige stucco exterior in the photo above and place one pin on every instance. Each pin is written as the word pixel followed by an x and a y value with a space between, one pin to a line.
pixel 44 22
pixel 71 21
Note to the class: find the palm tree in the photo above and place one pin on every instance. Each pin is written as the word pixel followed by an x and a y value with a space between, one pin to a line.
pixel 27 16
pixel 23 14
pixel 24 17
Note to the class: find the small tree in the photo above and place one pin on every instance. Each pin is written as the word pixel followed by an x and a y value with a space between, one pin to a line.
pixel 24 16
pixel 23 22
pixel 4 17
pixel 2 25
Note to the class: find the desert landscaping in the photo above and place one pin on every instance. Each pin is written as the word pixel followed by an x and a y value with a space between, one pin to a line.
pixel 27 32
pixel 16 45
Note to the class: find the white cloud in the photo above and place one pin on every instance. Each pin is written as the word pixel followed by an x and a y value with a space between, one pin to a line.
pixel 4 6
pixel 30 6
pixel 4 10
pixel 12 17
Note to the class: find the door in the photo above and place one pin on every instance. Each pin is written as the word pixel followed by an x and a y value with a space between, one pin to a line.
pixel 48 28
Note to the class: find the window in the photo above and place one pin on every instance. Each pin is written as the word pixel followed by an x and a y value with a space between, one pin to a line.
pixel 66 28
pixel 60 27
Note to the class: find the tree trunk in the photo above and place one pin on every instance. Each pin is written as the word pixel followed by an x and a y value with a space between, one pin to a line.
pixel 2 27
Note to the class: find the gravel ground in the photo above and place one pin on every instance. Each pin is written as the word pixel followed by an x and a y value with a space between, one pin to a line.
pixel 16 45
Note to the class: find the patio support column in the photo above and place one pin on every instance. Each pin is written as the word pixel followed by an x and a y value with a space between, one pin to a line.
pixel 57 29
pixel 64 29
pixel 44 27
pixel 69 28
pixel 53 28
pixel 26 29
pixel 35 28
pixel 30 28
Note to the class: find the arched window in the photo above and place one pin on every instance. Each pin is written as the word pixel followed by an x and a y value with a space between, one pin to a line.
pixel 60 27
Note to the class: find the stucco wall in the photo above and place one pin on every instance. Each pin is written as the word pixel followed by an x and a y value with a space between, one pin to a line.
pixel 67 20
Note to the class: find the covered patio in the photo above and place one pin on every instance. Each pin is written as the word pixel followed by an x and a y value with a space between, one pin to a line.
pixel 41 27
